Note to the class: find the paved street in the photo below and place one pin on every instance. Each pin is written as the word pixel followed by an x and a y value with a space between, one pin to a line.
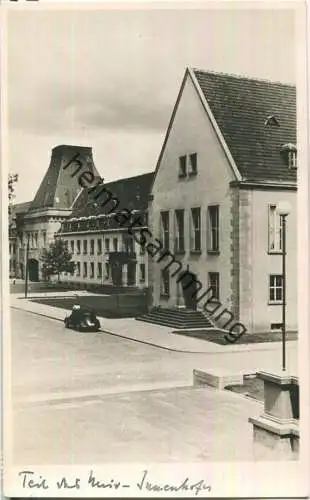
pixel 94 398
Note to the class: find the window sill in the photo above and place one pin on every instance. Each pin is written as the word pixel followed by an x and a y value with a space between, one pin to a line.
pixel 165 296
pixel 195 252
pixel 275 303
pixel 213 252
pixel 179 252
pixel 182 176
pixel 192 174
pixel 275 252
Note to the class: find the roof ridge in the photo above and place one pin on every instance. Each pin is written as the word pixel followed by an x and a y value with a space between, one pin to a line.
pixel 128 178
pixel 244 77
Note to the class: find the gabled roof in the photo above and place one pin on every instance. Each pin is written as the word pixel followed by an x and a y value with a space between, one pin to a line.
pixel 132 194
pixel 241 107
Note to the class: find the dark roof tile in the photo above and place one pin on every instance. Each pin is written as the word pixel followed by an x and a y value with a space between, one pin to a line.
pixel 241 107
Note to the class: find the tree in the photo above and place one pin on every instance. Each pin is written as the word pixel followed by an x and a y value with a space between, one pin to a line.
pixel 12 179
pixel 57 259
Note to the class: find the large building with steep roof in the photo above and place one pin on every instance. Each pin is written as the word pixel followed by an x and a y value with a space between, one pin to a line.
pixel 229 157
pixel 102 242
pixel 39 220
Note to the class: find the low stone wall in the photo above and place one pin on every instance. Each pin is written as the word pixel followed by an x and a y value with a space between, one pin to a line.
pixel 116 305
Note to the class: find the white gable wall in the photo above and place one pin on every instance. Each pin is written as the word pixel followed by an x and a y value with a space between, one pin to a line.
pixel 192 132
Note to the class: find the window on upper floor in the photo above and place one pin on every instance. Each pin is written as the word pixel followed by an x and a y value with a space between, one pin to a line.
pixel 84 246
pixel 164 229
pixel 72 246
pixel 78 246
pixel 92 247
pixel 115 244
pixel 107 245
pixel 99 246
pixel 274 230
pixel 78 269
pixel 213 228
pixel 292 159
pixel 195 230
pixel 182 166
pixel 275 288
pixel 44 238
pixel 289 155
pixel 179 231
pixel 193 164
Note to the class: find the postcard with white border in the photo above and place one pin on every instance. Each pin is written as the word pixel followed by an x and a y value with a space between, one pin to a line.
pixel 154 248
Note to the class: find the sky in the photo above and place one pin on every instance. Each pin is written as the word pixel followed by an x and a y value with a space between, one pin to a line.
pixel 109 79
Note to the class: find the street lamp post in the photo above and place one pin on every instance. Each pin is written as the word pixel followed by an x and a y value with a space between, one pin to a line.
pixel 283 210
pixel 27 266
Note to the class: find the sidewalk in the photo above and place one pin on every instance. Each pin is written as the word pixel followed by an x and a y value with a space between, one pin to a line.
pixel 254 356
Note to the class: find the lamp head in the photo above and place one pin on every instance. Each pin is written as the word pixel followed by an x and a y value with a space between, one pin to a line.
pixel 283 208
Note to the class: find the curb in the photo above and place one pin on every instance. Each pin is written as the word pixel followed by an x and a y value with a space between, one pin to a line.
pixel 118 334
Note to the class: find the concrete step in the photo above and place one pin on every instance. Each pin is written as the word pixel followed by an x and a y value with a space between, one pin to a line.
pixel 178 319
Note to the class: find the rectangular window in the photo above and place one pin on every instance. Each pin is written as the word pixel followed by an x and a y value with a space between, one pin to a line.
pixel 78 269
pixel 165 282
pixel 164 217
pixel 92 247
pixel 78 245
pixel 182 166
pixel 213 228
pixel 214 284
pixel 195 230
pixel 292 159
pixel 92 270
pixel 274 229
pixel 107 245
pixel 84 246
pixel 142 249
pixel 44 238
pixel 84 269
pixel 107 270
pixel 99 270
pixel 99 246
pixel 275 288
pixel 128 243
pixel 142 272
pixel 115 244
pixel 193 164
pixel 72 246
pixel 179 231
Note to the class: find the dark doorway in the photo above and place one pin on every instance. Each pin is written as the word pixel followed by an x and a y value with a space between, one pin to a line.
pixel 131 276
pixel 33 270
pixel 189 288
pixel 116 273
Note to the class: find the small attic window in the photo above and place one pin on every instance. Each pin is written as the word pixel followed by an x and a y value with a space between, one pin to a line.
pixel 272 121
pixel 289 151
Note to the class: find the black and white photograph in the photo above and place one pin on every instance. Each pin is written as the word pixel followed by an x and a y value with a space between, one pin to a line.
pixel 153 183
